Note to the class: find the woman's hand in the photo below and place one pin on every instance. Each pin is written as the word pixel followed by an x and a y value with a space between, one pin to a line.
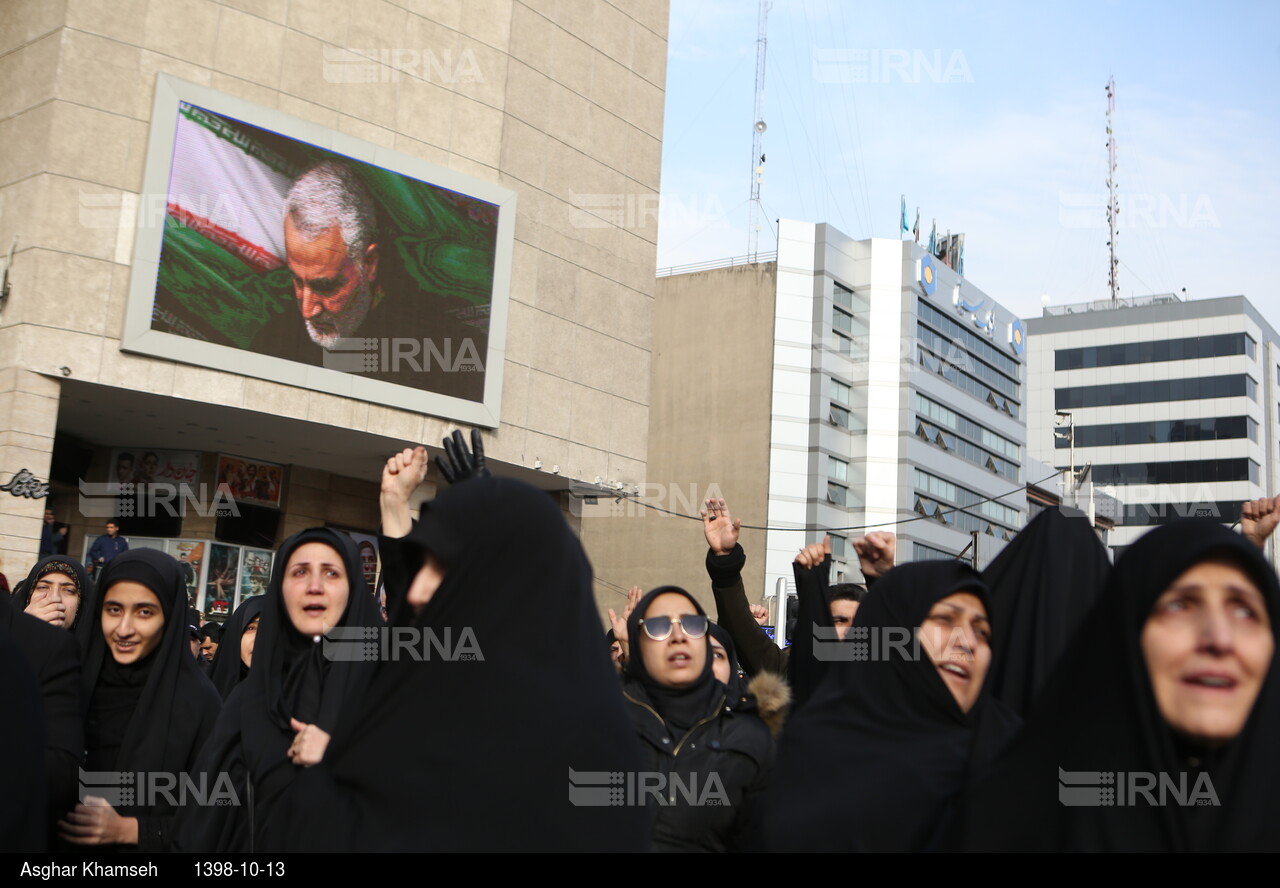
pixel 401 476
pixel 876 552
pixel 620 623
pixel 720 529
pixel 814 554
pixel 309 745
pixel 97 823
pixel 44 608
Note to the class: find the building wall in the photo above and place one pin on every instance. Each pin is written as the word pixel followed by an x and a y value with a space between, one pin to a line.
pixel 883 372
pixel 708 435
pixel 562 103
pixel 1152 323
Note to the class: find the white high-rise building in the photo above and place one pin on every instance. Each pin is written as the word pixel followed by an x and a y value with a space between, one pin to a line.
pixel 846 384
pixel 897 393
pixel 1170 402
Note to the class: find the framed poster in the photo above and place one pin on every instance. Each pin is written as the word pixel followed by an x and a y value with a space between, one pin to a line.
pixel 190 555
pixel 222 580
pixel 251 480
pixel 255 573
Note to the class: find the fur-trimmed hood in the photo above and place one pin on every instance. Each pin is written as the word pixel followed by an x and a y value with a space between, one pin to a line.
pixel 773 699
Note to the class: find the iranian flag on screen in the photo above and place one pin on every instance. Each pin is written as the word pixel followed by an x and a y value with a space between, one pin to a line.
pixel 229 187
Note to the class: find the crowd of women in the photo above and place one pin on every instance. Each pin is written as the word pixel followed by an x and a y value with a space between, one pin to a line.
pixel 1051 702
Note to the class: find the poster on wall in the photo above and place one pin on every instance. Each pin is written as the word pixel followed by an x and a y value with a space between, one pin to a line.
pixel 142 465
pixel 255 573
pixel 368 546
pixel 190 555
pixel 250 480
pixel 308 257
pixel 223 576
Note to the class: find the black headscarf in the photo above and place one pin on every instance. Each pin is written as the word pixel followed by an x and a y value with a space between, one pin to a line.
pixel 154 714
pixel 1042 584
pixel 738 696
pixel 1097 720
pixel 879 753
pixel 228 669
pixel 81 626
pixel 472 752
pixel 680 707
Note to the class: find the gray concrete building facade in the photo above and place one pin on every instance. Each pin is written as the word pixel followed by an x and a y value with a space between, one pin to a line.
pixel 1172 403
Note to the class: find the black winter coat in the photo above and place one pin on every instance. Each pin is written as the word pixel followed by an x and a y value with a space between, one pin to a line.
pixel 704 785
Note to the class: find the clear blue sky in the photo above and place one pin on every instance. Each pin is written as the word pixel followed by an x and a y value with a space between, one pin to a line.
pixel 990 117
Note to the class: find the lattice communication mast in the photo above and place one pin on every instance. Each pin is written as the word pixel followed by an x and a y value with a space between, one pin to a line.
pixel 757 139
pixel 1113 206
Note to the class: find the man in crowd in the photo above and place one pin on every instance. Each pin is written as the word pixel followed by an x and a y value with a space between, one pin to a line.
pixel 106 547
pixel 53 536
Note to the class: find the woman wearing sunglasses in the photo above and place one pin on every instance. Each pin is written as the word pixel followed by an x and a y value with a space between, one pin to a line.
pixel 706 761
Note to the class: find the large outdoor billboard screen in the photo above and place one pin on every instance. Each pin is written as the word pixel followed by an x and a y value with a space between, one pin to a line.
pixel 291 252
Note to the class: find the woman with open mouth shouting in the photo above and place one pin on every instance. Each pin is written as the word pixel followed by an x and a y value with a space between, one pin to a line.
pixel 1159 728
pixel 881 753
pixel 278 721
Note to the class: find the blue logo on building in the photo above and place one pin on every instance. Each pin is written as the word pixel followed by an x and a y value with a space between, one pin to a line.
pixel 928 276
pixel 1017 336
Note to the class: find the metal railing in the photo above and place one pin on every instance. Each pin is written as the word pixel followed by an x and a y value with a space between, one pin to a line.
pixel 757 259
pixel 1108 305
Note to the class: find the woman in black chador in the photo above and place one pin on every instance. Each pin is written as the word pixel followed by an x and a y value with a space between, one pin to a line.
pixel 235 652
pixel 59 591
pixel 1159 729
pixel 278 721
pixel 149 706
pixel 1043 585
pixel 879 756
pixel 477 738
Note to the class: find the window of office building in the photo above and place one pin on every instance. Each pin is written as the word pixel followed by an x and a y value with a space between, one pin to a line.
pixel 952 354
pixel 1177 472
pixel 840 392
pixel 839 546
pixel 955 495
pixel 837 494
pixel 962 425
pixel 837 469
pixel 972 342
pixel 921 552
pixel 963 380
pixel 1164 431
pixel 842 320
pixel 1153 352
pixel 1155 391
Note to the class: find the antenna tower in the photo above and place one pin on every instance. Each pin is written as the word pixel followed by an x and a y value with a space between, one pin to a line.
pixel 1113 207
pixel 757 138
